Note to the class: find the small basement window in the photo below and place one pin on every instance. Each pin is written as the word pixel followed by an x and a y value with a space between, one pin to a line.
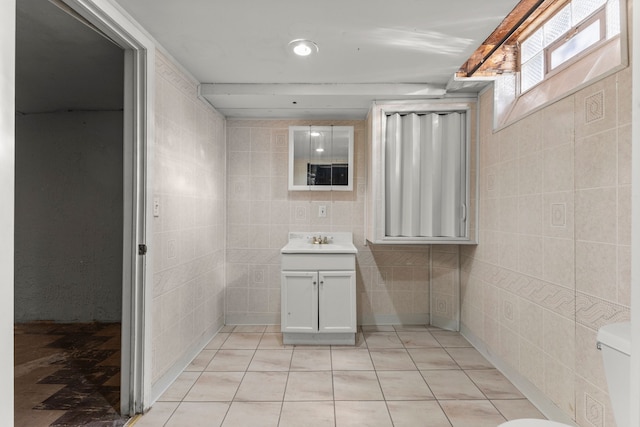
pixel 574 30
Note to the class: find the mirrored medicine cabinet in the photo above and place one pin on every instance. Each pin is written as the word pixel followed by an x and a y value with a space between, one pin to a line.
pixel 321 158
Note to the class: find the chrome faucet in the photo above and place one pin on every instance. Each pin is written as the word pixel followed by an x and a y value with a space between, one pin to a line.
pixel 319 240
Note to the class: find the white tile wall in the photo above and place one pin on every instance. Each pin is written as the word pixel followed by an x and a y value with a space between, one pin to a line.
pixel 554 192
pixel 392 281
pixel 189 234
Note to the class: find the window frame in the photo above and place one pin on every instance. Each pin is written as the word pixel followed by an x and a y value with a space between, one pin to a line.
pixel 599 14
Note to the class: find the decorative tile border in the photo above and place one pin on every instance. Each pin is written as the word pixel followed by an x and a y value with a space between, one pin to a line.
pixel 166 70
pixel 594 312
pixel 588 310
pixel 553 297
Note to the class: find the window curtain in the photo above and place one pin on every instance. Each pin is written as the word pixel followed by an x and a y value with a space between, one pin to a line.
pixel 424 174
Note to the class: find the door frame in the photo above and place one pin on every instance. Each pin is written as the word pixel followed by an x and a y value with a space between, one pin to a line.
pixel 139 84
pixel 634 393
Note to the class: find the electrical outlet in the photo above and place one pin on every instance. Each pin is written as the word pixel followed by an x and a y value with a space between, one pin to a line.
pixel 322 211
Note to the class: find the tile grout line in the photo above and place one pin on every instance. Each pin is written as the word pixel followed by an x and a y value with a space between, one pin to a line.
pixel 286 384
pixel 217 351
pixel 233 399
pixel 333 350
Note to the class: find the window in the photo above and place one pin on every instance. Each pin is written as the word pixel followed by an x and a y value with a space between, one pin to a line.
pixel 576 28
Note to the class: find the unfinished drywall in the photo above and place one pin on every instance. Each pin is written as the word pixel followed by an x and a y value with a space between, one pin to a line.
pixel 68 217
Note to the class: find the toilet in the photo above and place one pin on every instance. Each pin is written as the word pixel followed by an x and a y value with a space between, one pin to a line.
pixel 614 341
pixel 531 422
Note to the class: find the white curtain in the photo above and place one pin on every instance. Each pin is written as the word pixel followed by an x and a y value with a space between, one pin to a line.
pixel 424 181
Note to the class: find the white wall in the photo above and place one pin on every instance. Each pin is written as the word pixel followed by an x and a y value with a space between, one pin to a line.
pixel 392 280
pixel 68 223
pixel 189 233
pixel 7 167
pixel 553 263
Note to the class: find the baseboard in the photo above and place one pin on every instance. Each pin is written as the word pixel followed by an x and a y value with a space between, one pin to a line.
pixel 165 381
pixel 445 323
pixel 379 320
pixel 526 387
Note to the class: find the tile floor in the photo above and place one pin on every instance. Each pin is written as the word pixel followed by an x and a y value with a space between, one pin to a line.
pixel 393 376
pixel 67 375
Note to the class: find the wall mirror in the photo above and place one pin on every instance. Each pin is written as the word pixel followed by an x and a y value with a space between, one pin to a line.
pixel 321 158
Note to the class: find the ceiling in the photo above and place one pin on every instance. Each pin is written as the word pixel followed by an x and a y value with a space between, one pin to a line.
pixel 368 50
pixel 61 64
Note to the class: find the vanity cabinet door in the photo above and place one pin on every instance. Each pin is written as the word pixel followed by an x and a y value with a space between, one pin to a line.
pixel 299 301
pixel 337 301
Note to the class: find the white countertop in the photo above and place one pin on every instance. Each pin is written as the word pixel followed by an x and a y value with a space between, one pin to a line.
pixel 301 243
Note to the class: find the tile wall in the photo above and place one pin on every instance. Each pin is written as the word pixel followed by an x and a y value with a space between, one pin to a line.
pixel 553 263
pixel 189 234
pixel 392 281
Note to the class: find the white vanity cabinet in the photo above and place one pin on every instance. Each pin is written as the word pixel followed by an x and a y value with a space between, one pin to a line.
pixel 337 301
pixel 299 292
pixel 318 292
pixel 322 301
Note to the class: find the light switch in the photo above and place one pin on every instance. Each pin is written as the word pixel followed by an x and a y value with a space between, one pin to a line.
pixel 322 211
pixel 156 206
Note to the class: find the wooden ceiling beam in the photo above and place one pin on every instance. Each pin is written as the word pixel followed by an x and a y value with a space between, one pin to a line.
pixel 499 52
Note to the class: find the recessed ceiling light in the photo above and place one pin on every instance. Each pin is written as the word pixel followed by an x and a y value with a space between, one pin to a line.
pixel 319 150
pixel 302 47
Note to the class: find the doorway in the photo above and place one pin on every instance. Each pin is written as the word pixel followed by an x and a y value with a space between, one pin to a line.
pixel 129 119
pixel 68 220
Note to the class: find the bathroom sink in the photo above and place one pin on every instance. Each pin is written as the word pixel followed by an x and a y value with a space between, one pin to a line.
pixel 301 247
pixel 300 243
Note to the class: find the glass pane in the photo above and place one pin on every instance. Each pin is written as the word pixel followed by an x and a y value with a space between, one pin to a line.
pixel 580 9
pixel 531 46
pixel 319 148
pixel 558 25
pixel 613 18
pixel 532 72
pixel 301 142
pixel 578 43
pixel 340 157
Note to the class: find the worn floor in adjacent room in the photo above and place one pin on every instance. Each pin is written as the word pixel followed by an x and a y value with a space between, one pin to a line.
pixel 67 375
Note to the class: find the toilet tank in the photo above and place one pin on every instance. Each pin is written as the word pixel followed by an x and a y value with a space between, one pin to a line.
pixel 615 342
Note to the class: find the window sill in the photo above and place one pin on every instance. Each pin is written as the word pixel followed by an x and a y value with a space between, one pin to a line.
pixel 423 241
pixel 608 59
